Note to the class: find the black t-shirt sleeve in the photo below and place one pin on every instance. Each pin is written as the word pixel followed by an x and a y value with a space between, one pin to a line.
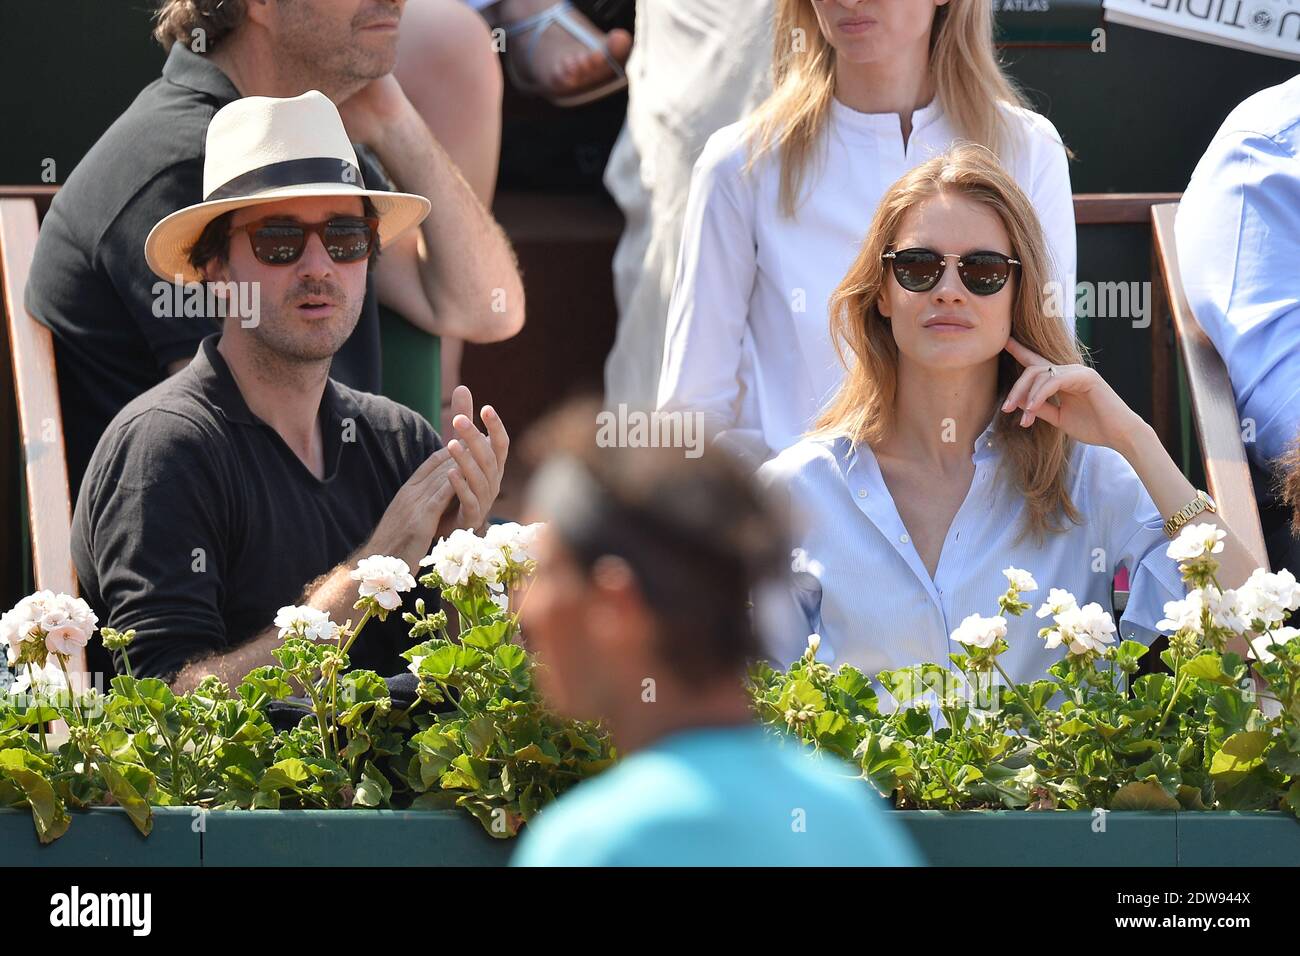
pixel 373 173
pixel 157 533
pixel 426 439
pixel 120 255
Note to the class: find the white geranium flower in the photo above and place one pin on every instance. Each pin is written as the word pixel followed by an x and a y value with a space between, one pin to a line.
pixel 305 621
pixel 63 622
pixel 976 631
pixel 1268 597
pixel 1058 601
pixel 38 679
pixel 1225 609
pixel 1022 581
pixel 517 541
pixel 384 578
pixel 1196 540
pixel 1183 615
pixel 463 555
pixel 814 643
pixel 68 623
pixel 1263 645
pixel 1186 615
pixel 1087 628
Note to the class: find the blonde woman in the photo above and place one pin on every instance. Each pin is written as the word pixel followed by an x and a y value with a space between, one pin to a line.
pixel 864 90
pixel 969 436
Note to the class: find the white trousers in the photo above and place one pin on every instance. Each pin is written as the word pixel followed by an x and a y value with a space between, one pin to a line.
pixel 696 66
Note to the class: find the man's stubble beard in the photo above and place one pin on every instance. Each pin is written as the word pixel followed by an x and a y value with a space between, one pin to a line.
pixel 282 350
pixel 329 56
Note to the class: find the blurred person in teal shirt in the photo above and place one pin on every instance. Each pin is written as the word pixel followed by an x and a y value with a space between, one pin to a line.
pixel 639 616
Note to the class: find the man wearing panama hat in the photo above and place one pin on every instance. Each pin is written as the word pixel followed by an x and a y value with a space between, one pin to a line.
pixel 115 337
pixel 251 479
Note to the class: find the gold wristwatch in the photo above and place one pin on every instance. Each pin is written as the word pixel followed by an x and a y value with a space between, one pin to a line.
pixel 1202 502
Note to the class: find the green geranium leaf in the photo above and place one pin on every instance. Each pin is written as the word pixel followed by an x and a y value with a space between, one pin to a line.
pixel 47 809
pixel 1240 754
pixel 374 790
pixel 285 775
pixel 129 798
pixel 513 659
pixel 479 734
pixel 1208 666
pixel 1143 795
pixel 488 637
pixel 466 773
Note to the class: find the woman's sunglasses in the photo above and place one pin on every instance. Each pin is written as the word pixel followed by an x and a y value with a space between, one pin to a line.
pixel 280 243
pixel 983 273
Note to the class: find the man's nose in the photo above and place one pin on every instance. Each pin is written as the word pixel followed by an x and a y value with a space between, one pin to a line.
pixel 315 261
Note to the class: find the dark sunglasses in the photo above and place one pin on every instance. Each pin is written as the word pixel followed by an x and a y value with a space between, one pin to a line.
pixel 280 243
pixel 983 273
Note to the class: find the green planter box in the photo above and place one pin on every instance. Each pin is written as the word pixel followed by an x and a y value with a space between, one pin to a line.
pixel 1063 838
pixel 103 837
pixel 349 838
pixel 181 837
pixel 1238 839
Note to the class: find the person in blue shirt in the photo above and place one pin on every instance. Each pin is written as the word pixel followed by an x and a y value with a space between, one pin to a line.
pixel 1238 234
pixel 638 617
pixel 970 434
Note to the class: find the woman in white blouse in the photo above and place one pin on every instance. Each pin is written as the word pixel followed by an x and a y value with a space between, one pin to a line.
pixel 863 91
pixel 968 436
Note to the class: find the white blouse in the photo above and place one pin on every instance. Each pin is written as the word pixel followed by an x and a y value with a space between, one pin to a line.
pixel 862 586
pixel 748 342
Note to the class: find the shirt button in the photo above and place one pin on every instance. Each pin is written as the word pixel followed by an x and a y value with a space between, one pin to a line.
pixel 862 492
pixel 904 538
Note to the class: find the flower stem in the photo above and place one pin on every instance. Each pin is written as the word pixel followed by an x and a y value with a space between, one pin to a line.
pixel 72 694
pixel 334 676
pixel 1012 687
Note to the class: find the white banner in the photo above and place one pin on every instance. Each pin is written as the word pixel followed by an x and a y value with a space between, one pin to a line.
pixel 1261 26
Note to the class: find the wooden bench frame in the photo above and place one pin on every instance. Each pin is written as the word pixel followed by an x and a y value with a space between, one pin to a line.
pixel 1214 406
pixel 40 419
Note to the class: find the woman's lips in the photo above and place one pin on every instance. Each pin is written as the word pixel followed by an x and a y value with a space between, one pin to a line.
pixel 856 26
pixel 947 324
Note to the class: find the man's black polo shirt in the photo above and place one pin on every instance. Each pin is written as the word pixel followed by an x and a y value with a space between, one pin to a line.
pixel 89 281
pixel 196 522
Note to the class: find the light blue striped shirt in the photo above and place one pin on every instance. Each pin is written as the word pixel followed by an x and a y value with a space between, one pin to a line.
pixel 867 593
pixel 1238 231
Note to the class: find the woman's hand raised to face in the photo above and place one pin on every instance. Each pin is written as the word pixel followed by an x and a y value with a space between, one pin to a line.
pixel 1073 398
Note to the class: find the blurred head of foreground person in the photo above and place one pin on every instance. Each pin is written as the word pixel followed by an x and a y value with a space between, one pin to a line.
pixel 639 617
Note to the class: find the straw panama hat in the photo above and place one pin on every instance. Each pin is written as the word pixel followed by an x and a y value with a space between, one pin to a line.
pixel 262 149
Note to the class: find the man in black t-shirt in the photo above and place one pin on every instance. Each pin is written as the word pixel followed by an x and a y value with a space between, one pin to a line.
pixel 116 333
pixel 251 479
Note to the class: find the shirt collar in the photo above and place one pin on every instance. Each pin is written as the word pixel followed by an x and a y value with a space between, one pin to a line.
pixel 218 384
pixel 846 451
pixel 884 123
pixel 220 388
pixel 186 68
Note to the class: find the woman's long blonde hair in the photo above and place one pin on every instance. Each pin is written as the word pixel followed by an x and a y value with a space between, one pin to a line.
pixel 969 85
pixel 862 410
